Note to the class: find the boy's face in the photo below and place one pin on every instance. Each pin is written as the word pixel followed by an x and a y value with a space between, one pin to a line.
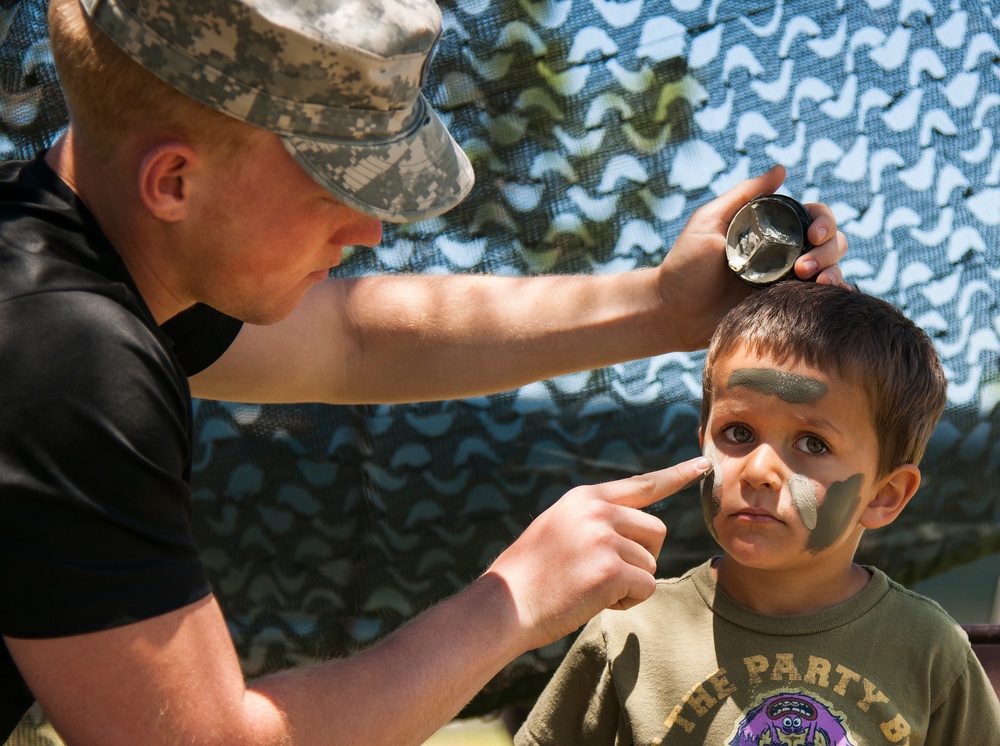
pixel 795 455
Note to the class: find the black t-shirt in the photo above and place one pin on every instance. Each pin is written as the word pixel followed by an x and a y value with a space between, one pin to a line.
pixel 95 430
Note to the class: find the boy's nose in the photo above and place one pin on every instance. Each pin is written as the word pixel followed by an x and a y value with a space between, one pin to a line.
pixel 763 468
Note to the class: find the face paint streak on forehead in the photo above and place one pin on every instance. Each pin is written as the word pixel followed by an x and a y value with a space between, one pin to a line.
pixel 803 494
pixel 788 387
pixel 711 488
pixel 835 513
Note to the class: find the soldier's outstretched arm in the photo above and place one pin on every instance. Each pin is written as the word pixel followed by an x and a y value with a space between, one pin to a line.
pixel 175 679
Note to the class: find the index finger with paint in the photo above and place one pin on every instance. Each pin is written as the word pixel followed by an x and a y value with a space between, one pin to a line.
pixel 593 549
pixel 642 490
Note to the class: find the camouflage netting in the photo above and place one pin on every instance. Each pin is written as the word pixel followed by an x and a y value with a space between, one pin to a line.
pixel 595 127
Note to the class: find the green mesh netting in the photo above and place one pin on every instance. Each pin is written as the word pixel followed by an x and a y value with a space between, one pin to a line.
pixel 595 127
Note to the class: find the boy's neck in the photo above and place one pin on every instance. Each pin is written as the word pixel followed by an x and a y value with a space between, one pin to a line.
pixel 789 592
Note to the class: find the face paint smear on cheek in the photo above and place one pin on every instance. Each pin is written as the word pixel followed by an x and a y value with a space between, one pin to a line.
pixel 788 387
pixel 803 493
pixel 835 513
pixel 711 491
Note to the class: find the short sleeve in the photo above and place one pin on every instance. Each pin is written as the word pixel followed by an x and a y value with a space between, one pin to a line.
pixel 579 704
pixel 970 714
pixel 94 455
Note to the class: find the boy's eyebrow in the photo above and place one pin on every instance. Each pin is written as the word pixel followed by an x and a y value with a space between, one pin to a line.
pixel 788 387
pixel 818 423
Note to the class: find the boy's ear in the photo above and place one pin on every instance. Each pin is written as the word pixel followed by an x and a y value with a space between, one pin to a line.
pixel 164 180
pixel 894 492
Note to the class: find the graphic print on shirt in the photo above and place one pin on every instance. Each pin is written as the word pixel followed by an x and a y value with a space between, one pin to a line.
pixel 795 699
pixel 791 718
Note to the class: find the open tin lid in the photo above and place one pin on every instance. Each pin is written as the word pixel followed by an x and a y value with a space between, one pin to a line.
pixel 765 238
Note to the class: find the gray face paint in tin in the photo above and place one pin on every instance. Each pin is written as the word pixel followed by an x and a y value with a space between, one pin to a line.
pixel 788 387
pixel 711 490
pixel 835 513
pixel 803 493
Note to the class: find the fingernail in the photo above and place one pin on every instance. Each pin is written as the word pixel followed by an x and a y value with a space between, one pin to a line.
pixel 821 233
pixel 810 266
pixel 702 464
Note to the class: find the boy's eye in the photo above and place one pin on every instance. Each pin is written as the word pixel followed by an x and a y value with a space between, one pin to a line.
pixel 738 434
pixel 811 444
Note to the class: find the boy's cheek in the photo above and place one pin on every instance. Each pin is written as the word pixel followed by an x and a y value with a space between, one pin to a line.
pixel 711 490
pixel 836 512
pixel 803 494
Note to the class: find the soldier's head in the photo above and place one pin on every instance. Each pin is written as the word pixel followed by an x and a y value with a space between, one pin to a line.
pixel 338 83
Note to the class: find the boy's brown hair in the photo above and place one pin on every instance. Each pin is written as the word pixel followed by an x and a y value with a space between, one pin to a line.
pixel 868 342
pixel 109 95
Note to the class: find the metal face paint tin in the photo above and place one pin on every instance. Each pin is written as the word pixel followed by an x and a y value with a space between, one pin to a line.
pixel 765 238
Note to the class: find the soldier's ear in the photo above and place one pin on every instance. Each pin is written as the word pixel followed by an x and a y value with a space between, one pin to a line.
pixel 166 177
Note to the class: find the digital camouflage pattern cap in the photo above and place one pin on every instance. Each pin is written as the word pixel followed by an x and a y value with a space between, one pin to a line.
pixel 338 80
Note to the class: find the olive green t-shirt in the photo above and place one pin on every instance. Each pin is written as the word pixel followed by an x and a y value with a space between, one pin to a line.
pixel 691 666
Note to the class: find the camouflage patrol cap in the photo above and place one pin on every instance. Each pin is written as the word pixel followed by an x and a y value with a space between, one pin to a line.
pixel 338 80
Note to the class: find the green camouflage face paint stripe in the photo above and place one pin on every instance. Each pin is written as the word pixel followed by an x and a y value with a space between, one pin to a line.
pixel 788 387
pixel 835 513
pixel 711 489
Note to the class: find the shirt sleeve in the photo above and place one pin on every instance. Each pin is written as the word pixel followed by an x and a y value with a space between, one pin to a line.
pixel 970 714
pixel 579 704
pixel 95 527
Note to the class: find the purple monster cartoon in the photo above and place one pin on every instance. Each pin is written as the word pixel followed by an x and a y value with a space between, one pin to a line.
pixel 791 718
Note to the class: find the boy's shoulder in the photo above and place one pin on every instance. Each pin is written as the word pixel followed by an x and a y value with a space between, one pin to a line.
pixel 683 600
pixel 922 614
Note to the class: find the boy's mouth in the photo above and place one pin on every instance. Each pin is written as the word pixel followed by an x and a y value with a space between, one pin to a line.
pixel 756 515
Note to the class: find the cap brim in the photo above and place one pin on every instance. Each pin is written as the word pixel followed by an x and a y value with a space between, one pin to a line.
pixel 415 177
